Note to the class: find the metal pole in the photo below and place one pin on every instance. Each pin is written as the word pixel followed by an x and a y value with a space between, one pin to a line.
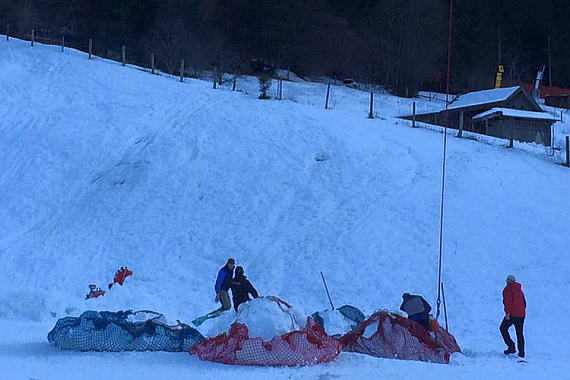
pixel 413 114
pixel 444 307
pixel 124 55
pixel 8 32
pixel 371 112
pixel 152 63
pixel 567 151
pixel 62 43
pixel 182 71
pixel 91 48
pixel 327 97
pixel 327 290
pixel 215 76
pixel 441 209
pixel 33 37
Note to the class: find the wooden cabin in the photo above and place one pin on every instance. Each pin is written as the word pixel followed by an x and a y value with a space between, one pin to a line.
pixel 508 113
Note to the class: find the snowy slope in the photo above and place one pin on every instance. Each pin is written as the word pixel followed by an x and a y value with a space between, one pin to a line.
pixel 103 166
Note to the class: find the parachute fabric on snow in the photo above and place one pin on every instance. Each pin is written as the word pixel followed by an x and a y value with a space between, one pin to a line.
pixel 339 321
pixel 122 331
pixel 388 335
pixel 298 346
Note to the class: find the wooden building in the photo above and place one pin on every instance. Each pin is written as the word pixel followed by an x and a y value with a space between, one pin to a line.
pixel 560 101
pixel 508 113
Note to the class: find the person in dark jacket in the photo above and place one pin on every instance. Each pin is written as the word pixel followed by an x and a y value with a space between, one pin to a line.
pixel 417 309
pixel 515 312
pixel 242 288
pixel 223 284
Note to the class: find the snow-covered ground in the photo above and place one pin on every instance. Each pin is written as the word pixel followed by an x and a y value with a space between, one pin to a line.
pixel 103 166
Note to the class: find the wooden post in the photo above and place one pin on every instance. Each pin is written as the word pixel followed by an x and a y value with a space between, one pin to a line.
pixel 215 77
pixel 62 43
pixel 91 48
pixel 182 71
pixel 461 121
pixel 124 55
pixel 510 145
pixel 327 97
pixel 152 71
pixel 8 32
pixel 371 112
pixel 33 37
pixel 413 114
pixel 567 140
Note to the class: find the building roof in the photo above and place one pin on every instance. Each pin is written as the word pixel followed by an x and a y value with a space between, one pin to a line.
pixel 483 97
pixel 509 112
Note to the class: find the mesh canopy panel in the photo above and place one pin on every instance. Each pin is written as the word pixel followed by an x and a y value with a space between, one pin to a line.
pixel 310 345
pixel 389 335
pixel 109 331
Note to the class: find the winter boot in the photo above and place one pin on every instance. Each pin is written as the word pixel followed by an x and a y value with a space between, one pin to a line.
pixel 521 355
pixel 510 350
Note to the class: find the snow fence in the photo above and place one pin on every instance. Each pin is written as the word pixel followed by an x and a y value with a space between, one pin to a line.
pixel 388 335
pixel 122 331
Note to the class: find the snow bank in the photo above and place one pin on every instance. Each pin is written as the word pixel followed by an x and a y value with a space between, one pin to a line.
pixel 263 317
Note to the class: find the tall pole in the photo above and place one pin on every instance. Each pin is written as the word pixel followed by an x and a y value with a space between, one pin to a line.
pixel 549 67
pixel 438 302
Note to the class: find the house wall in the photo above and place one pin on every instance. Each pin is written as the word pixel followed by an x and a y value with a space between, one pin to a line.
pixel 521 130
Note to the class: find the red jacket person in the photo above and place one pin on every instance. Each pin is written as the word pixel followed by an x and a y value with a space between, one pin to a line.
pixel 515 312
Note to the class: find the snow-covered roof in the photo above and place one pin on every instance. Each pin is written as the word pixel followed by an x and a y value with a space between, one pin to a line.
pixel 483 97
pixel 509 112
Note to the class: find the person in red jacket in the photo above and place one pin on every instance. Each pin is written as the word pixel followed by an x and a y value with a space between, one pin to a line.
pixel 515 312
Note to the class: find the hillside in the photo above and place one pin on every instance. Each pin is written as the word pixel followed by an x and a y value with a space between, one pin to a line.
pixel 103 166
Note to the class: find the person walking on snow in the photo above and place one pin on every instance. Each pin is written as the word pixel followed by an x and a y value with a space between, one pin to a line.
pixel 242 288
pixel 223 284
pixel 417 309
pixel 515 312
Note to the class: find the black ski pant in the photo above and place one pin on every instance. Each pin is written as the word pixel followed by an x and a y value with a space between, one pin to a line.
pixel 504 328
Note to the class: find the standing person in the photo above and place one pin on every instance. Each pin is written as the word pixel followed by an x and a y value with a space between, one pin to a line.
pixel 417 309
pixel 515 312
pixel 222 285
pixel 242 288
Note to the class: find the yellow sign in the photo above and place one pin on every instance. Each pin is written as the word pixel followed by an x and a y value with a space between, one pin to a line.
pixel 499 77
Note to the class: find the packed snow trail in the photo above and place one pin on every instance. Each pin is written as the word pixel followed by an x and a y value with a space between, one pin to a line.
pixel 103 166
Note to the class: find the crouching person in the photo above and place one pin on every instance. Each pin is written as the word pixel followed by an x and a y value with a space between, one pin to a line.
pixel 417 309
pixel 242 288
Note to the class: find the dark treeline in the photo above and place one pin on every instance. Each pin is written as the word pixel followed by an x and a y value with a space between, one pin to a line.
pixel 401 44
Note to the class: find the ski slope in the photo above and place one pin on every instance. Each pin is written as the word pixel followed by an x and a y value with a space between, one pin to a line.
pixel 103 166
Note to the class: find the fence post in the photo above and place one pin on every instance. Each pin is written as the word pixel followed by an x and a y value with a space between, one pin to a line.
pixel 152 63
pixel 371 112
pixel 215 77
pixel 327 97
pixel 413 114
pixel 461 121
pixel 567 151
pixel 91 48
pixel 33 37
pixel 8 32
pixel 182 71
pixel 123 55
pixel 62 43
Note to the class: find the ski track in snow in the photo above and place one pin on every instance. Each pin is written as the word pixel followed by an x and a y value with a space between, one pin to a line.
pixel 103 166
